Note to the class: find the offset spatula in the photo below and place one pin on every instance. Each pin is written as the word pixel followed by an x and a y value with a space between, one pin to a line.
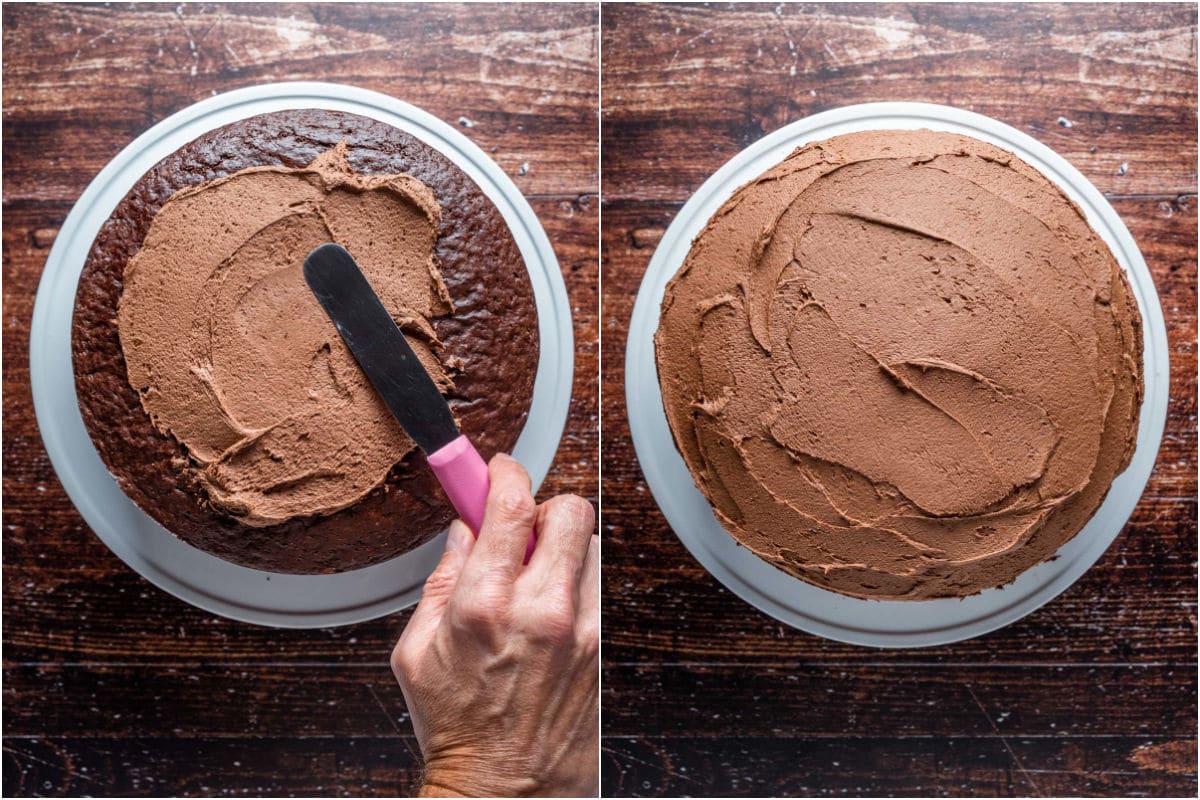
pixel 400 378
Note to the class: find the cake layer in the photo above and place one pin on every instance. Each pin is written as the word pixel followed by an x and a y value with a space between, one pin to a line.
pixel 256 465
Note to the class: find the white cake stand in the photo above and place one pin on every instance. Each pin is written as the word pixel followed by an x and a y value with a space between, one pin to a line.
pixel 288 601
pixel 873 622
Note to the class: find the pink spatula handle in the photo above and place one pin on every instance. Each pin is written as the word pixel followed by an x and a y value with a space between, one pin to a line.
pixel 464 475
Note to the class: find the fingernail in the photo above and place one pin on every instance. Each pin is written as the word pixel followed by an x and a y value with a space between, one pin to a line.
pixel 457 538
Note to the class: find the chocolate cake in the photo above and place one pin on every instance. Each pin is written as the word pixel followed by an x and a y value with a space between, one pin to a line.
pixel 901 365
pixel 220 396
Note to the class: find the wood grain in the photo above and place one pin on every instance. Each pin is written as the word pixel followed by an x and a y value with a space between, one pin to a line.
pixel 251 766
pixel 110 685
pixel 1122 77
pixel 878 766
pixel 702 694
pixel 83 81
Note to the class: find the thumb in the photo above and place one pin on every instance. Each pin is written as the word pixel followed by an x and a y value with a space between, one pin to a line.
pixel 441 582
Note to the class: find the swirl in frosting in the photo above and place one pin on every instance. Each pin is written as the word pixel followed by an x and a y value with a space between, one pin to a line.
pixel 232 355
pixel 901 365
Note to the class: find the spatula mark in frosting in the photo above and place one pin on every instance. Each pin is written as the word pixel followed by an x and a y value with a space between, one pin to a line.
pixel 900 364
pixel 240 363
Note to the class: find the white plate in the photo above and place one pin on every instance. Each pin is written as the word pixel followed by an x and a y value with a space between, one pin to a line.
pixel 874 622
pixel 288 601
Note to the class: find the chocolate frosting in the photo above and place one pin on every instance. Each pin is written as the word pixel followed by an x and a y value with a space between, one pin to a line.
pixel 232 355
pixel 901 365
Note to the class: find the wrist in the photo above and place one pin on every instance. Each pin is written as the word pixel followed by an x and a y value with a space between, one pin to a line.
pixel 431 787
pixel 461 776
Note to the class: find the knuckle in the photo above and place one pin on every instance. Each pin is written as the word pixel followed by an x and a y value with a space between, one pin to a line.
pixel 579 509
pixel 402 659
pixel 441 580
pixel 483 609
pixel 514 504
pixel 587 639
pixel 571 510
pixel 474 614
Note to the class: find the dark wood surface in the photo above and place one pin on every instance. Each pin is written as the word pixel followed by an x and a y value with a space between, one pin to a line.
pixel 110 685
pixel 1095 694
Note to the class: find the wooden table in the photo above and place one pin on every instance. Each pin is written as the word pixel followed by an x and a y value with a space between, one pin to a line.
pixel 1095 693
pixel 110 685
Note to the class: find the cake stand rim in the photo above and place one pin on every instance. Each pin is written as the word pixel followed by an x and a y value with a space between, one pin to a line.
pixel 866 622
pixel 199 578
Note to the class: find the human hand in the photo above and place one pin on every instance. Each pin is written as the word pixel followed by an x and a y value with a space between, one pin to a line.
pixel 500 661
